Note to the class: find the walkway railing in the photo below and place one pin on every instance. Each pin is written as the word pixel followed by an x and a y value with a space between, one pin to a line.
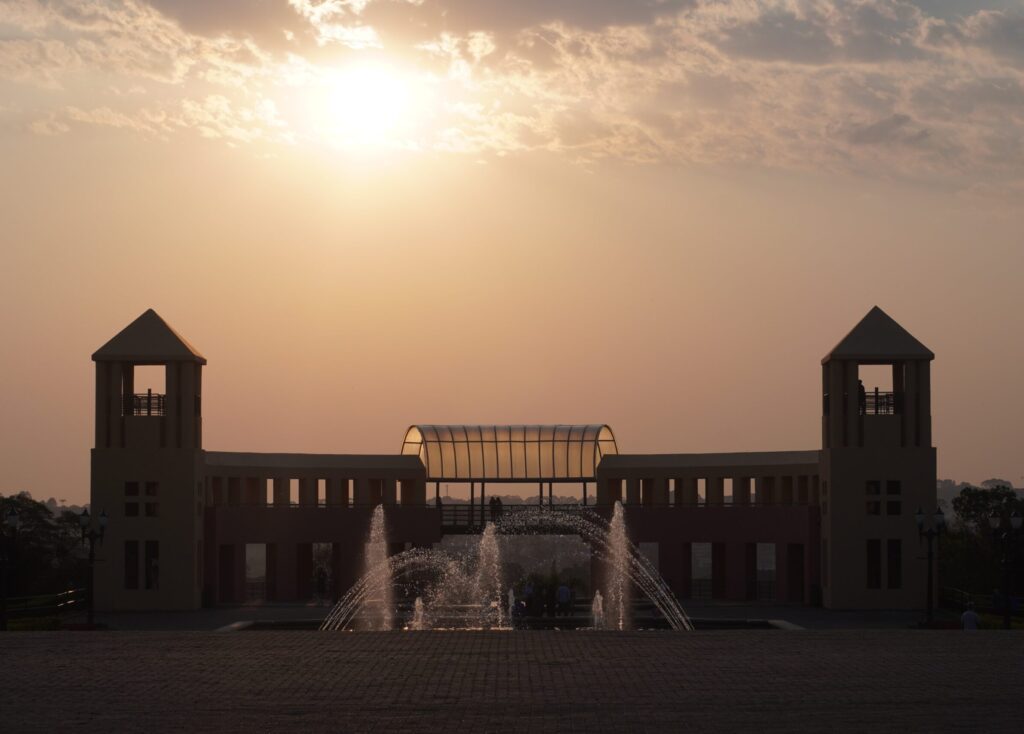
pixel 472 518
pixel 45 605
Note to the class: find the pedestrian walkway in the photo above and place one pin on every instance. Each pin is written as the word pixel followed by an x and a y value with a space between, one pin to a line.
pixel 535 682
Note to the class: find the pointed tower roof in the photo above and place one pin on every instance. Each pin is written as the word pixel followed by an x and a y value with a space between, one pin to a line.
pixel 879 338
pixel 148 339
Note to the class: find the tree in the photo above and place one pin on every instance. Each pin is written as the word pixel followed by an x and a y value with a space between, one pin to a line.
pixel 973 506
pixel 969 556
pixel 47 555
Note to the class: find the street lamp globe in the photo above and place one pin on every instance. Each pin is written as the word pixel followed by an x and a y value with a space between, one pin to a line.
pixel 939 519
pixel 83 519
pixel 995 520
pixel 12 519
pixel 919 518
pixel 103 519
pixel 1015 520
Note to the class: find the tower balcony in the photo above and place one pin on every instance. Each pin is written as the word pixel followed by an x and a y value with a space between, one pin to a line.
pixel 875 402
pixel 145 404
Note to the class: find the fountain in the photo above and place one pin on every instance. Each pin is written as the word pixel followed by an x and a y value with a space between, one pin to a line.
pixel 617 581
pixel 466 591
pixel 597 610
pixel 488 577
pixel 419 621
pixel 380 607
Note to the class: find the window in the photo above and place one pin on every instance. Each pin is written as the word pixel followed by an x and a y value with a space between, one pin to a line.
pixel 152 489
pixel 894 564
pixel 874 564
pixel 873 489
pixel 152 564
pixel 893 486
pixel 824 562
pixel 131 564
pixel 131 504
pixel 893 507
pixel 700 570
pixel 765 571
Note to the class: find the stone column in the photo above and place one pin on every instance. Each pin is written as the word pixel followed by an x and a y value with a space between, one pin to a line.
pixel 282 492
pixel 661 493
pixel 632 491
pixel 307 492
pixel 254 492
pixel 362 491
pixel 689 493
pixel 714 490
pixel 786 495
pixel 337 492
pixel 389 491
pixel 741 490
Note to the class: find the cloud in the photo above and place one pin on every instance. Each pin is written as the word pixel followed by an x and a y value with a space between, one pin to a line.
pixel 894 129
pixel 881 87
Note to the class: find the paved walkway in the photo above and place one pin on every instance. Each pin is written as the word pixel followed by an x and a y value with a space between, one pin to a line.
pixel 212 619
pixel 532 682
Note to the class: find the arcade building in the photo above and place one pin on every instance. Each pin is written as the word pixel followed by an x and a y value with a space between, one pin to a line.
pixel 832 526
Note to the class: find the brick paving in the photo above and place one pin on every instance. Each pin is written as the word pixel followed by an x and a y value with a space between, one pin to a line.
pixel 532 682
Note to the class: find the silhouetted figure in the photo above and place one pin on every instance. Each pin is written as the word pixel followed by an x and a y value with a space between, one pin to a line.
pixel 969 619
pixel 564 595
pixel 550 601
pixel 499 507
pixel 862 396
pixel 493 503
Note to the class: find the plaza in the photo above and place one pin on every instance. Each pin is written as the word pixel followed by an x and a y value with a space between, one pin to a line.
pixel 769 681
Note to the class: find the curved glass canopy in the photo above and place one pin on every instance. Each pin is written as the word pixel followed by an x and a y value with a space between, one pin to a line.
pixel 510 453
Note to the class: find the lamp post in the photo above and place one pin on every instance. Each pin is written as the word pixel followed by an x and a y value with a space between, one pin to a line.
pixel 10 528
pixel 995 521
pixel 92 532
pixel 938 525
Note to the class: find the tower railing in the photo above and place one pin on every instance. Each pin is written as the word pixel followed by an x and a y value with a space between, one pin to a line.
pixel 877 402
pixel 148 403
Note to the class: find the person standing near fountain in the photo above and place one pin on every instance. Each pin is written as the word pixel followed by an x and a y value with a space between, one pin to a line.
pixel 564 596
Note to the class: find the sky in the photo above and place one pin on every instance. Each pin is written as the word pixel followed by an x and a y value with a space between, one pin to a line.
pixel 372 213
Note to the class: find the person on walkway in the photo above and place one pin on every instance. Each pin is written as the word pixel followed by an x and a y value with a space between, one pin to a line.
pixel 969 619
pixel 493 503
pixel 564 597
pixel 499 507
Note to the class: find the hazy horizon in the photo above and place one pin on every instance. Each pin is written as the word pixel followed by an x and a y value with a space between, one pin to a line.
pixel 656 215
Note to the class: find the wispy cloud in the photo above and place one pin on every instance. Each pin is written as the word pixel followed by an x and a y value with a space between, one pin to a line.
pixel 877 86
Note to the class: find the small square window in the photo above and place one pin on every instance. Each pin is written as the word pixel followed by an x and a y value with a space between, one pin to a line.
pixel 893 507
pixel 131 509
pixel 874 507
pixel 151 488
pixel 874 487
pixel 151 509
pixel 131 489
pixel 893 486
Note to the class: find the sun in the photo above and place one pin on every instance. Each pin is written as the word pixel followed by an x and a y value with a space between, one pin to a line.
pixel 367 106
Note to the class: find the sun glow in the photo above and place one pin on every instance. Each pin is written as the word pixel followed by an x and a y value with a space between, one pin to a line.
pixel 368 106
